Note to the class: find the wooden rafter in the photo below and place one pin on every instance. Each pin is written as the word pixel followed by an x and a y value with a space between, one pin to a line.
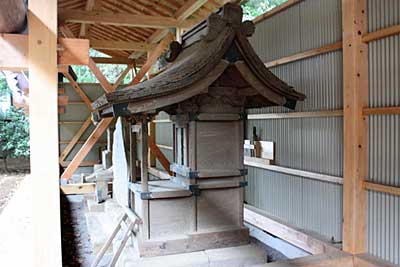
pixel 184 12
pixel 90 4
pixel 120 45
pixel 120 19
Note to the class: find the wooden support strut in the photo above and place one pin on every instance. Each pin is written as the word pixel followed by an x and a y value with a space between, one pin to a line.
pixel 355 92
pixel 104 123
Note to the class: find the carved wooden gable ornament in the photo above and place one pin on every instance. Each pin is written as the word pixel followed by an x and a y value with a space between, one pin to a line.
pixel 215 62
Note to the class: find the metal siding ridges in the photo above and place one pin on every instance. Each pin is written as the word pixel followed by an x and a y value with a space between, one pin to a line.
pixel 313 144
pixel 383 234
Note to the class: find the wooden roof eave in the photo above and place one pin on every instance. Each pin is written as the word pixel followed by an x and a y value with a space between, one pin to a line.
pixel 157 103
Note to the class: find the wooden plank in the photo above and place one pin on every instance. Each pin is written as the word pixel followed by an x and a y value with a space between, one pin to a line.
pixel 88 163
pixel 113 60
pixel 294 236
pixel 290 115
pixel 367 260
pixel 62 100
pixel 119 19
pixel 165 147
pixel 161 47
pixel 355 136
pixel 181 14
pixel 78 189
pixel 333 259
pixel 393 190
pixel 254 162
pixel 66 31
pixel 75 51
pixel 75 139
pixel 43 117
pixel 121 45
pixel 381 111
pixel 163 175
pixel 13 52
pixel 160 156
pixel 380 34
pixel 87 146
pixel 276 10
pixel 121 77
pixel 152 139
pixel 100 77
pixel 306 54
pixel 90 4
pixel 78 90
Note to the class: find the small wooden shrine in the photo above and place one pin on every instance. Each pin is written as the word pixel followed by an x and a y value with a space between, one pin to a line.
pixel 213 77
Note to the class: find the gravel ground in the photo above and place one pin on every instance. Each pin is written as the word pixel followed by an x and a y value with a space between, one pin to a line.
pixel 76 248
pixel 9 183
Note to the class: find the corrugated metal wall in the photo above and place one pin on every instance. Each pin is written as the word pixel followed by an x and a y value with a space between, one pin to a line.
pixel 383 232
pixel 79 112
pixel 312 144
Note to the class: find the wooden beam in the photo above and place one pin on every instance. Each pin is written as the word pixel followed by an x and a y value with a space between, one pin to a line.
pixel 87 146
pixel 152 140
pixel 249 161
pixel 159 174
pixel 181 14
pixel 380 34
pixel 43 117
pixel 75 139
pixel 74 51
pixel 89 7
pixel 88 163
pixel 161 47
pixel 290 115
pixel 78 189
pixel 333 259
pixel 119 19
pixel 393 190
pixel 100 76
pixel 78 90
pixel 113 60
pixel 276 10
pixel 160 156
pixel 304 241
pixel 13 52
pixel 66 31
pixel 121 77
pixel 306 54
pixel 121 45
pixel 381 111
pixel 355 93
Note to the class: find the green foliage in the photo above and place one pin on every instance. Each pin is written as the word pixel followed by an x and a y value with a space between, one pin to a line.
pixel 14 134
pixel 254 8
pixel 3 86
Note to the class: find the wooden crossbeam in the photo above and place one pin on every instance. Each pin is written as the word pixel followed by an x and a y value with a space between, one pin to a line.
pixel 160 156
pixel 121 77
pixel 78 90
pixel 181 14
pixel 382 33
pixel 78 189
pixel 100 77
pixel 113 60
pixel 119 19
pixel 161 47
pixel 90 4
pixel 121 45
pixel 75 139
pixel 14 52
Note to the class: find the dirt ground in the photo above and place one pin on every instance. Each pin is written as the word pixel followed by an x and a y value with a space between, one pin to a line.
pixel 9 183
pixel 76 247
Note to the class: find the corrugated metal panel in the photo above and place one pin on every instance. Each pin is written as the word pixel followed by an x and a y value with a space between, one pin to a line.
pixel 313 144
pixel 294 200
pixel 383 233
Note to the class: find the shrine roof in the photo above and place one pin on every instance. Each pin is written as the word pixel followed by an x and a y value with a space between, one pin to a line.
pixel 214 54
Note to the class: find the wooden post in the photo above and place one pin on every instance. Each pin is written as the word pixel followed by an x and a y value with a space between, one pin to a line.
pixel 132 150
pixel 43 95
pixel 355 86
pixel 152 139
pixel 145 151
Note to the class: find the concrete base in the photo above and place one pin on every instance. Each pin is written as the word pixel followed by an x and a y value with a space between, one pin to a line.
pixel 241 256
